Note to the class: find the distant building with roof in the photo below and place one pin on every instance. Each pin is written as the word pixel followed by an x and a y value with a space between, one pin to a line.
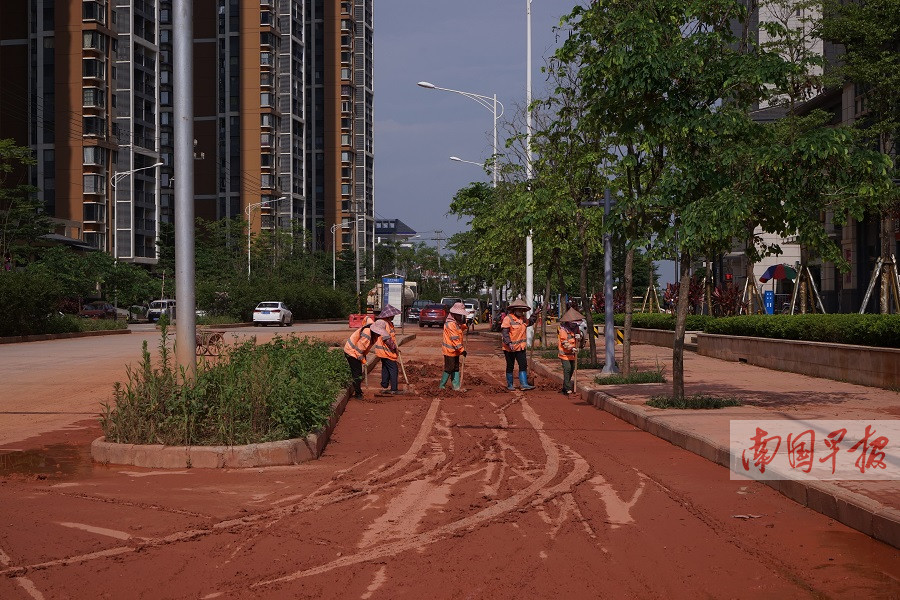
pixel 392 230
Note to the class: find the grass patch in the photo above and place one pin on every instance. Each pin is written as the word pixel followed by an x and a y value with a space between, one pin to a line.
pixel 252 393
pixel 655 376
pixel 697 401
pixel 76 324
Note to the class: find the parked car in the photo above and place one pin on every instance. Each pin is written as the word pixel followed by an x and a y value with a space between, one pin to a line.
pixel 266 313
pixel 471 311
pixel 433 314
pixel 98 310
pixel 449 302
pixel 160 308
pixel 412 314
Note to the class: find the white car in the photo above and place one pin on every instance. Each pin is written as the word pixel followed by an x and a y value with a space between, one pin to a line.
pixel 470 314
pixel 272 312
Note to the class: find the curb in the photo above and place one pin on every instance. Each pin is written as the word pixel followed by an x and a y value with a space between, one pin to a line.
pixel 16 339
pixel 267 454
pixel 850 508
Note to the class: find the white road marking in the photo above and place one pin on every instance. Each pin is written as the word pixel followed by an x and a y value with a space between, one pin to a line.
pixel 25 583
pixel 152 473
pixel 119 535
pixel 618 511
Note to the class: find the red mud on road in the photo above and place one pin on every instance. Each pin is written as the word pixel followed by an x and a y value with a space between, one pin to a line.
pixel 482 494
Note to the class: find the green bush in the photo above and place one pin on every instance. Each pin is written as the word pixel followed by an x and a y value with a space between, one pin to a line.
pixel 29 302
pixel 253 393
pixel 865 330
pixel 661 321
pixel 697 401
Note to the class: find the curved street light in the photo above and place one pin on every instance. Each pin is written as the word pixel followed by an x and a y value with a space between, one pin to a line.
pixel 116 178
pixel 249 208
pixel 471 162
pixel 334 252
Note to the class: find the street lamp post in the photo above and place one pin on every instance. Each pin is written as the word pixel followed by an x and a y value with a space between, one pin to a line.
pixel 529 166
pixel 249 208
pixel 334 255
pixel 116 178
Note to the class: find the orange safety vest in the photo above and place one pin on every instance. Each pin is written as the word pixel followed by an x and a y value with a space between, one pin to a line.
pixel 567 344
pixel 517 331
pixel 452 344
pixel 359 343
pixel 382 351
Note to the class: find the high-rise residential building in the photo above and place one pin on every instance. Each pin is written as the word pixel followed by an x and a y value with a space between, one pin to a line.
pixel 57 70
pixel 283 98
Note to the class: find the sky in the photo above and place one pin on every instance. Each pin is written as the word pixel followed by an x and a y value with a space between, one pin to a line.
pixel 474 46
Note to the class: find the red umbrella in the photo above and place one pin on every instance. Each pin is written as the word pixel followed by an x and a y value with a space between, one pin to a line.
pixel 778 272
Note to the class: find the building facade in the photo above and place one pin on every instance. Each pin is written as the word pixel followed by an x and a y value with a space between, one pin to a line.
pixel 283 115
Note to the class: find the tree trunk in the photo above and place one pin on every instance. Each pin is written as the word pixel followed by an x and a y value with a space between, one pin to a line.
pixel 681 310
pixel 546 309
pixel 629 310
pixel 751 281
pixel 585 299
pixel 887 236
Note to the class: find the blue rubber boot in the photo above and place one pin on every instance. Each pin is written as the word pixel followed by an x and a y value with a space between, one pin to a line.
pixel 444 377
pixel 523 381
pixel 509 382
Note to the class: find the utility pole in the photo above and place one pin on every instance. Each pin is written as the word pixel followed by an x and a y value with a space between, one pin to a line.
pixel 183 79
pixel 438 237
pixel 609 328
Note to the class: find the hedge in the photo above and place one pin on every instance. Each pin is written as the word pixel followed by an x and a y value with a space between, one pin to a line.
pixel 863 330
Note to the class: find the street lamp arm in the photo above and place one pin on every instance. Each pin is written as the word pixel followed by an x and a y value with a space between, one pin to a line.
pixel 117 177
pixel 485 101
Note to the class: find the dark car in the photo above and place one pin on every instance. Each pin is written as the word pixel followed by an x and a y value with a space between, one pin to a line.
pixel 433 314
pixel 98 310
pixel 412 314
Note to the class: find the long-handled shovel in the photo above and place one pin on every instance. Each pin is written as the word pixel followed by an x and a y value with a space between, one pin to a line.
pixel 575 374
pixel 402 368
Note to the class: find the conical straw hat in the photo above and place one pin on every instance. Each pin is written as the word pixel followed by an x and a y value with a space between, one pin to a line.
pixel 571 316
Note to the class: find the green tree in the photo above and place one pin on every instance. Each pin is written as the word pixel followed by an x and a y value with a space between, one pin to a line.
pixel 22 216
pixel 869 33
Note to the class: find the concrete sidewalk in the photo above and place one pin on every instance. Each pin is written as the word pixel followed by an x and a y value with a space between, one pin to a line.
pixel 872 507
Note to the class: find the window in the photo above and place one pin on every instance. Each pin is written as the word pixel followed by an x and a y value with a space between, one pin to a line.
pixel 266 79
pixel 93 155
pixel 345 25
pixel 346 172
pixel 93 97
pixel 345 156
pixel 345 8
pixel 345 139
pixel 267 120
pixel 94 126
pixel 266 99
pixel 345 90
pixel 345 123
pixel 93 67
pixel 94 213
pixel 94 184
pixel 345 57
pixel 266 59
pixel 345 40
pixel 165 15
pixel 345 73
pixel 267 180
pixel 165 98
pixel 93 40
pixel 265 18
pixel 93 10
pixel 266 38
pixel 165 77
pixel 267 160
pixel 265 139
pixel 345 106
pixel 345 189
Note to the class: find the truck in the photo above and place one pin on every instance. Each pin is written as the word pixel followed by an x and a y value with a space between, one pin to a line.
pixel 375 297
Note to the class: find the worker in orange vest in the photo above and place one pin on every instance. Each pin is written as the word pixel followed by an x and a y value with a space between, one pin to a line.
pixel 570 340
pixel 453 345
pixel 386 349
pixel 514 330
pixel 355 349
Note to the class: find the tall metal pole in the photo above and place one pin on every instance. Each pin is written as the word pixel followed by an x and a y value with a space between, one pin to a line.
pixel 186 317
pixel 334 257
pixel 529 167
pixel 356 237
pixel 609 328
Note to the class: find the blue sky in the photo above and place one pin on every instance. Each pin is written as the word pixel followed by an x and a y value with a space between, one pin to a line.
pixel 471 45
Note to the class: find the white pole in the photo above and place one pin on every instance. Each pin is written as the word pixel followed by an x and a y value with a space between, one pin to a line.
pixel 529 168
pixel 249 206
pixel 185 295
pixel 333 257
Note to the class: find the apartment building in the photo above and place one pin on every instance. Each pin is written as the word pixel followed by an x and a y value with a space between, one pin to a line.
pixel 283 115
pixel 57 72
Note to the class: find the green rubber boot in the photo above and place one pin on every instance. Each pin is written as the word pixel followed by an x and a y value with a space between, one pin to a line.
pixel 444 377
pixel 523 381
pixel 456 381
